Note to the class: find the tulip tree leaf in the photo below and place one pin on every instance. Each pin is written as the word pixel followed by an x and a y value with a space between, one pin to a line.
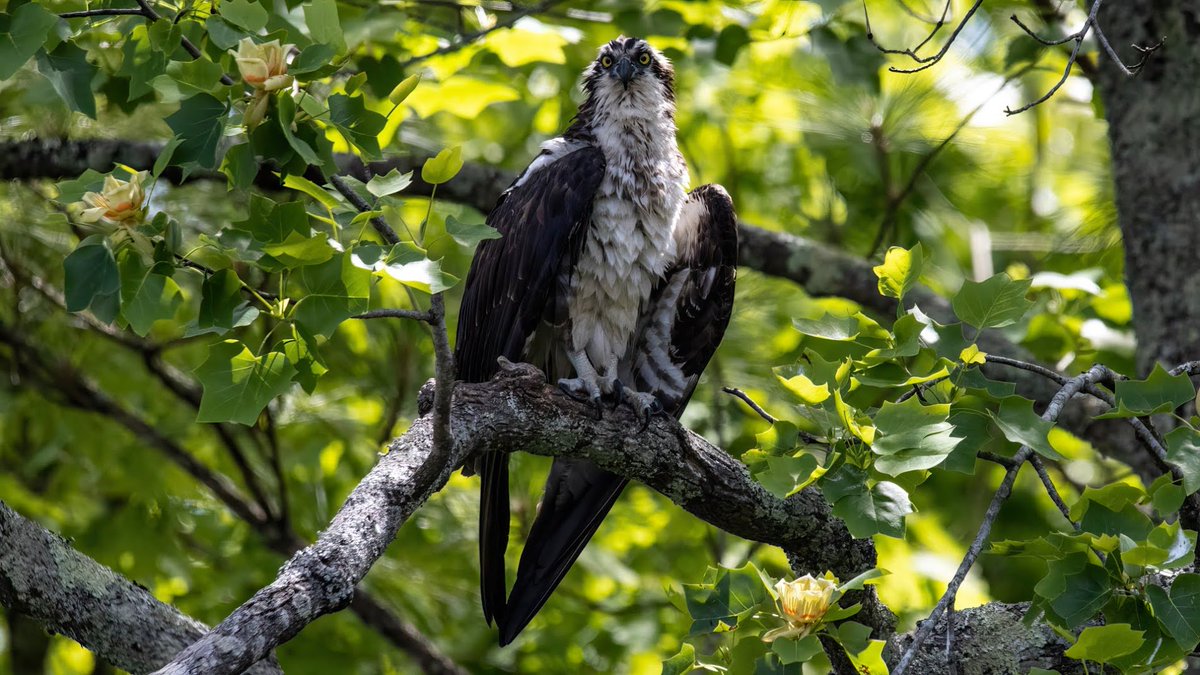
pixel 244 13
pixel 391 183
pixel 443 166
pixel 335 290
pixel 220 296
pixel 912 437
pixel 900 271
pixel 92 279
pixel 1020 424
pixel 1159 393
pixel 735 594
pixel 323 23
pixel 681 663
pixel 993 303
pixel 238 384
pixel 21 34
pixel 1179 609
pixel 796 650
pixel 880 510
pixel 146 296
pixel 1105 643
pixel 198 123
pixel 71 75
pixel 1183 450
pixel 470 234
pixel 359 125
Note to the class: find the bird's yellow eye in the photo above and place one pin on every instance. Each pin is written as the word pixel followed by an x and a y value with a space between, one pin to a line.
pixel 645 58
pixel 606 61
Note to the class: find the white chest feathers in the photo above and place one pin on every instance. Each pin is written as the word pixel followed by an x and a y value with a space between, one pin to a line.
pixel 630 241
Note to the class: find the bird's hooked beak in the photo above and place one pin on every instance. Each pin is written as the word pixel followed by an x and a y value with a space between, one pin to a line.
pixel 624 70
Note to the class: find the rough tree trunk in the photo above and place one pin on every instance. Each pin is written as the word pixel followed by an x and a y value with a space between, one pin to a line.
pixel 1154 129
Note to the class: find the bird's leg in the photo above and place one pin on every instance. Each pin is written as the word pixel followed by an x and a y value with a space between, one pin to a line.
pixel 645 405
pixel 586 385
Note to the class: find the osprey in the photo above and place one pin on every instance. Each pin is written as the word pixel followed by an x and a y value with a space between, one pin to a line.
pixel 610 278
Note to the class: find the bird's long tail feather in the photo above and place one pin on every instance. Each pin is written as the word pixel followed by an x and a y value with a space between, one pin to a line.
pixel 578 496
pixel 493 534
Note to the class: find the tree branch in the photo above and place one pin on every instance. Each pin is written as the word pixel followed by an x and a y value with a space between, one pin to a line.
pixel 518 411
pixel 44 578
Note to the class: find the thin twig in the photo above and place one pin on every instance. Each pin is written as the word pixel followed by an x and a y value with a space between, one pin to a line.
pixel 112 11
pixel 733 391
pixel 996 459
pixel 1051 490
pixel 926 61
pixel 464 40
pixel 415 315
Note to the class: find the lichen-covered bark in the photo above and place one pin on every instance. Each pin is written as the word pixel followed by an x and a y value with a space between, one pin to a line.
pixel 45 579
pixel 1155 140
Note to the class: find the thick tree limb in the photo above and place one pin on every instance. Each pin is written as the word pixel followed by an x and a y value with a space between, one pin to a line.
pixel 44 578
pixel 517 411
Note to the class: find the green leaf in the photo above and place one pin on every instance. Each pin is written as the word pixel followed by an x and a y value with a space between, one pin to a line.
pixel 72 190
pixel 359 125
pixel 469 234
pixel 321 16
pixel 309 367
pixel 336 291
pixel 196 76
pixel 1084 593
pixel 681 663
pixel 1179 610
pixel 1105 643
pixel 238 384
pixel 442 167
pixel 93 279
pixel 220 296
pixel 222 33
pixel 402 90
pixel 1128 521
pixel 1019 424
pixel 912 437
pixel 900 271
pixel 146 297
pixel 244 13
pixel 278 224
pixel 734 595
pixel 199 123
pixel 880 510
pixel 408 265
pixel 391 183
pixel 71 75
pixel 796 651
pixel 994 303
pixel 312 58
pixel 21 34
pixel 313 190
pixel 240 166
pixel 285 117
pixel 297 250
pixel 784 475
pixel 1183 450
pixel 1115 496
pixel 1157 394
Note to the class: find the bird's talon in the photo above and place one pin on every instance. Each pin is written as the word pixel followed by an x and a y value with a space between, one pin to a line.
pixel 618 394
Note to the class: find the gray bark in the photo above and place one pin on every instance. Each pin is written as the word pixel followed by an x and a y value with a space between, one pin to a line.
pixel 1155 140
pixel 45 579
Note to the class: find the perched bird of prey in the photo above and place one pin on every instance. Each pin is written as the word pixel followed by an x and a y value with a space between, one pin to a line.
pixel 611 279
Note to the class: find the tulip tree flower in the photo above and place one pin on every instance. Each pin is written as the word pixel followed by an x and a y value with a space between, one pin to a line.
pixel 802 603
pixel 118 202
pixel 263 66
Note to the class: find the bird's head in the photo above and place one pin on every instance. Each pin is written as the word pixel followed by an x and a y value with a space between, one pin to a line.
pixel 628 71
